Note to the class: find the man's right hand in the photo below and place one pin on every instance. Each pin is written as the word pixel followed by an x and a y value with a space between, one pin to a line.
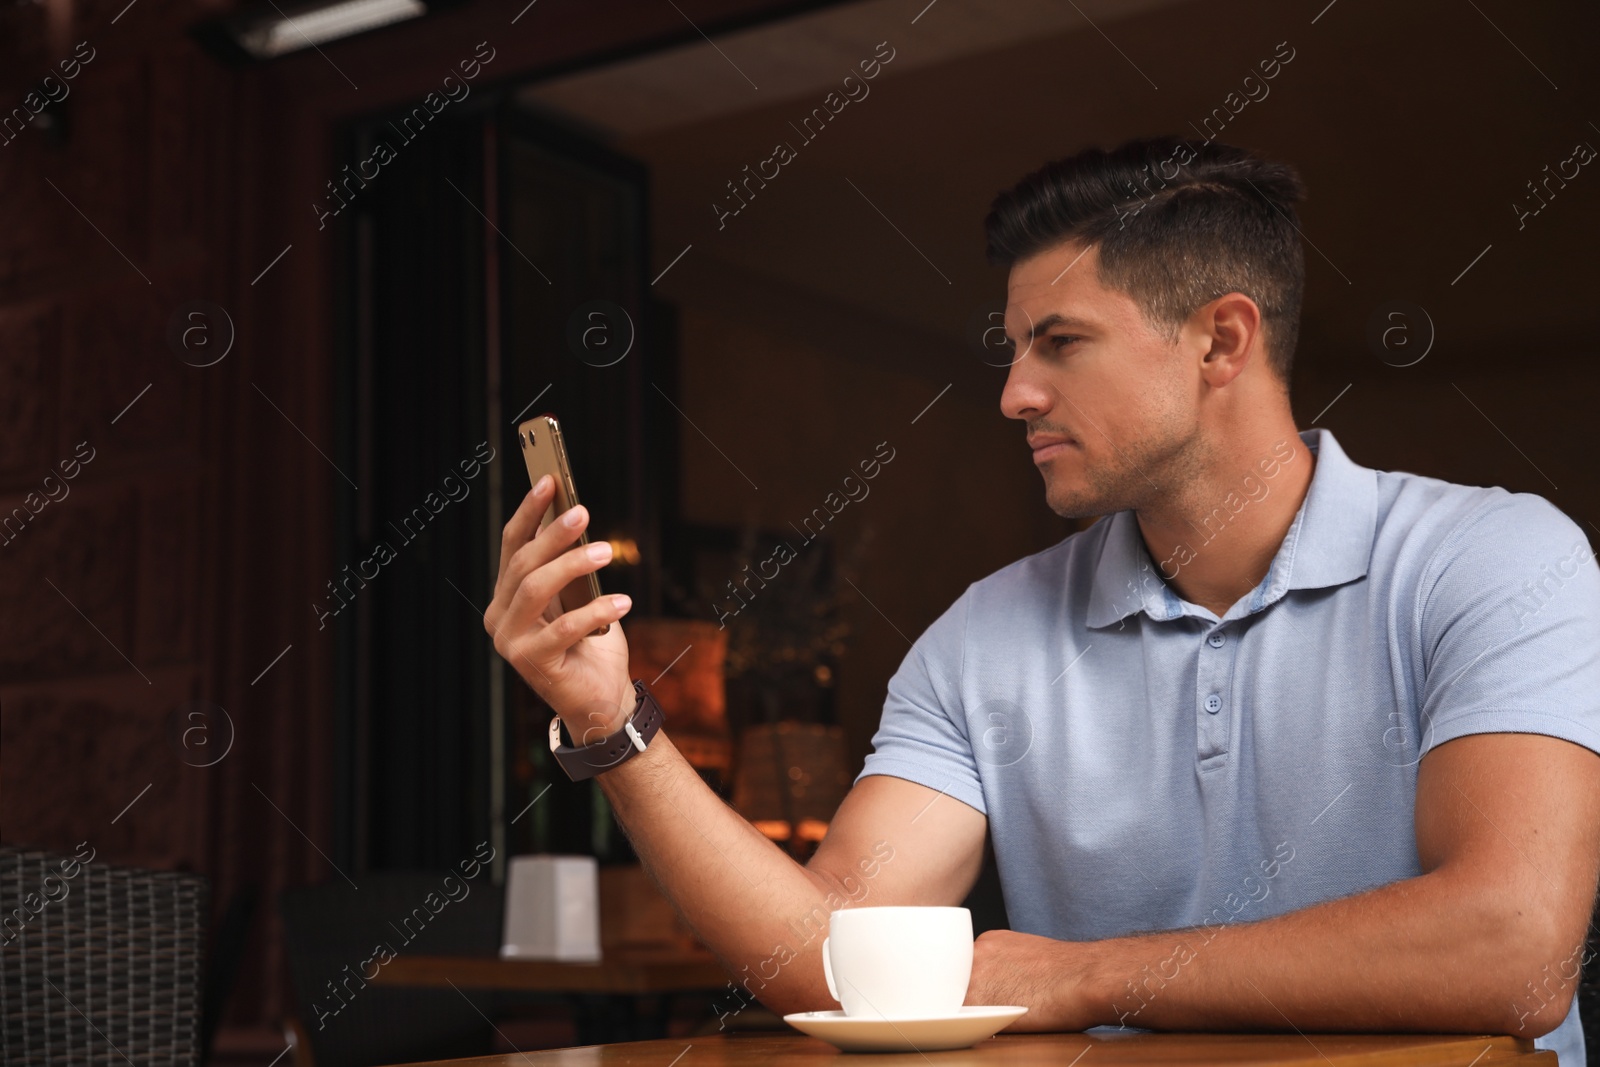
pixel 584 679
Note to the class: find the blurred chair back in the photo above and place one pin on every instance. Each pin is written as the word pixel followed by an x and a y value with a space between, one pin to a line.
pixel 332 932
pixel 223 962
pixel 98 964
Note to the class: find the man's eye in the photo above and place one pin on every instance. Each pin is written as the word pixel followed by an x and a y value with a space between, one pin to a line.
pixel 1062 340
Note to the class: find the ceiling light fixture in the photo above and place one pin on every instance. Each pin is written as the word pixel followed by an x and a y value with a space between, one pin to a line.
pixel 278 33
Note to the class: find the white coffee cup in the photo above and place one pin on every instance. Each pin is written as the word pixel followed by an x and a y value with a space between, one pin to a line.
pixel 899 962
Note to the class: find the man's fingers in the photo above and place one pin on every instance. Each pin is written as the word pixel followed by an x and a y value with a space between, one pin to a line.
pixel 524 522
pixel 534 593
pixel 538 560
pixel 551 541
pixel 518 612
pixel 572 626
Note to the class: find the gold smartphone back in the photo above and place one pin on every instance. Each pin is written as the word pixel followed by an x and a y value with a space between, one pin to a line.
pixel 545 452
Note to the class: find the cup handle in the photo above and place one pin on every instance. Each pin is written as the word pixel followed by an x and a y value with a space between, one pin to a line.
pixel 827 972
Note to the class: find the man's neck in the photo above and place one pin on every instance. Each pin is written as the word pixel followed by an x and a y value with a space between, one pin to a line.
pixel 1215 539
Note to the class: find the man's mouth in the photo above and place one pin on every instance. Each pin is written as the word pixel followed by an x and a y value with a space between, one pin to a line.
pixel 1048 448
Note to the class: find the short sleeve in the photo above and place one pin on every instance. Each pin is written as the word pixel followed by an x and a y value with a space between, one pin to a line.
pixel 1510 625
pixel 922 736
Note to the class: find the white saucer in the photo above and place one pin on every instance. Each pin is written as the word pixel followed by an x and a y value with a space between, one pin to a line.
pixel 866 1034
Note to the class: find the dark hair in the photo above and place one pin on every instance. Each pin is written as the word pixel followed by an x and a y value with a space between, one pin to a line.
pixel 1177 222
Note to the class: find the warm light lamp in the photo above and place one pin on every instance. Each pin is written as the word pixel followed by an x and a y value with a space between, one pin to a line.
pixel 681 660
pixel 791 778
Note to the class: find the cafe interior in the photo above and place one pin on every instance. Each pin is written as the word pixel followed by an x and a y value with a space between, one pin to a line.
pixel 281 281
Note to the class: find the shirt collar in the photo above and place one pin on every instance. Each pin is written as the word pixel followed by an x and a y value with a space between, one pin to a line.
pixel 1329 543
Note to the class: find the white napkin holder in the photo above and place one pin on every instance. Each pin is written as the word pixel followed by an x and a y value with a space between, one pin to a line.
pixel 552 909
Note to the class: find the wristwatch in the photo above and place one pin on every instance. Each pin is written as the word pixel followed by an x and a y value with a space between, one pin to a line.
pixel 586 761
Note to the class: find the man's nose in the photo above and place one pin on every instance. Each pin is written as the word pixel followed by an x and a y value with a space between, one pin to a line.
pixel 1024 396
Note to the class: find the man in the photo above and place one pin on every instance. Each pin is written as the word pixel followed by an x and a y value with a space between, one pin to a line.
pixel 1282 742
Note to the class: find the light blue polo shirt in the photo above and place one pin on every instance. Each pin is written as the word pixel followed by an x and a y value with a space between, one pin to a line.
pixel 1146 765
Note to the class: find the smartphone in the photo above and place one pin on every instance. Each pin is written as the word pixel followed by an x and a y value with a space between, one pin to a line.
pixel 544 451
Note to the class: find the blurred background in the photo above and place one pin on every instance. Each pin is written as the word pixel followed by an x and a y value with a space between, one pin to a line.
pixel 277 283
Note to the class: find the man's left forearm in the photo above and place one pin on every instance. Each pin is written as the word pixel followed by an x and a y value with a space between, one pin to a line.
pixel 1431 953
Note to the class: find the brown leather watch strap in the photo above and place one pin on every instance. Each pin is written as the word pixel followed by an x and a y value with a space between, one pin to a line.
pixel 586 761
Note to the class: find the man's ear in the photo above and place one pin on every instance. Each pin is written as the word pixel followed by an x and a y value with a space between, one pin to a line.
pixel 1232 325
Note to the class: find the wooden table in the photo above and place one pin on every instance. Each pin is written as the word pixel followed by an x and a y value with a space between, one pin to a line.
pixel 605 997
pixel 1108 1049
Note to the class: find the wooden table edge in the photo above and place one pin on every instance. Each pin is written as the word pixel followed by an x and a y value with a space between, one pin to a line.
pixel 774 1049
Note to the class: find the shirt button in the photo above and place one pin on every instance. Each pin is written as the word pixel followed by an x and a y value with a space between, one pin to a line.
pixel 1213 703
pixel 1217 640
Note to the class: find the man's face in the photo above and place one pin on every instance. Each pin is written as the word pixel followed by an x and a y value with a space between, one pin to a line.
pixel 1091 370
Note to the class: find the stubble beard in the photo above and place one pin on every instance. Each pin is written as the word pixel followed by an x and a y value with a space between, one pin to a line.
pixel 1127 476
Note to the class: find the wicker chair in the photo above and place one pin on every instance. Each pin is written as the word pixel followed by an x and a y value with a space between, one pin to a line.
pixel 101 966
